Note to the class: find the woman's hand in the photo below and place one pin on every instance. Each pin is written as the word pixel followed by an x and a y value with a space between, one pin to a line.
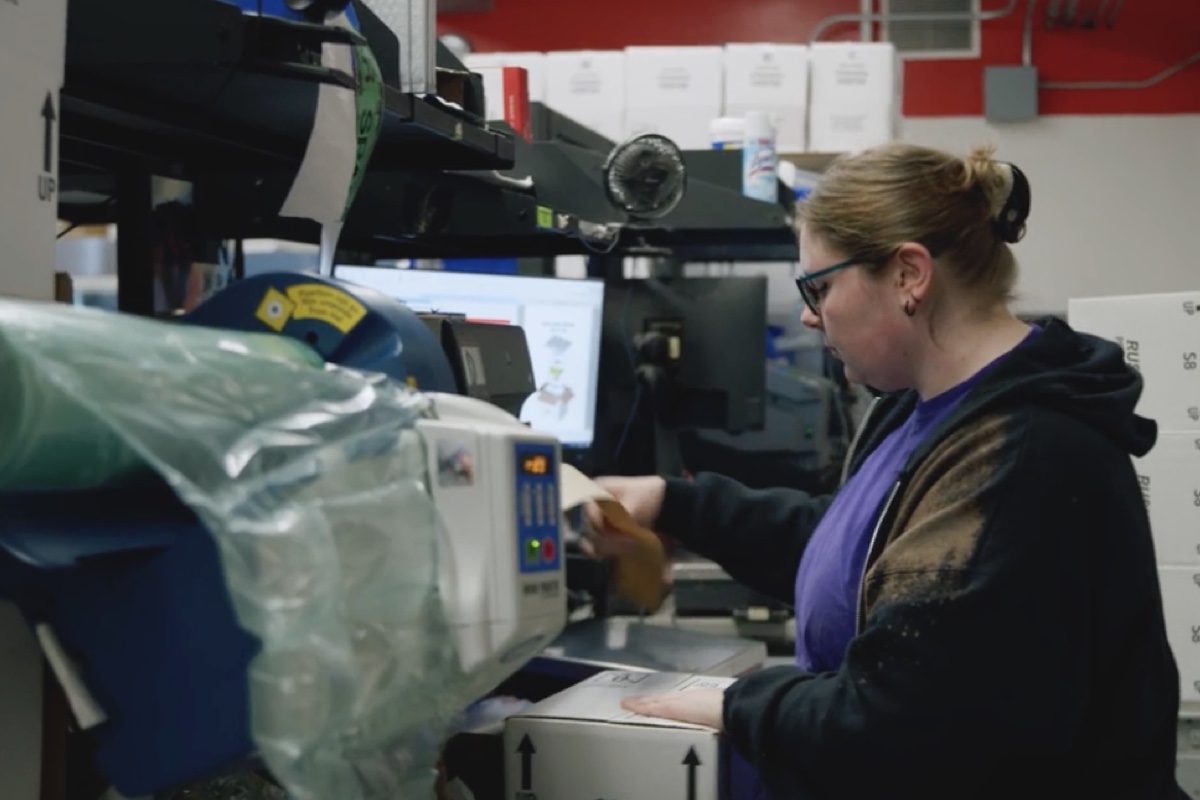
pixel 696 706
pixel 642 497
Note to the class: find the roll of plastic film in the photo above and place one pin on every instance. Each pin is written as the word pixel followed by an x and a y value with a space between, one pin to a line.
pixel 46 439
pixel 49 439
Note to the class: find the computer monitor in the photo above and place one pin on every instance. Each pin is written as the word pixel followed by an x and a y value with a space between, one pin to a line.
pixel 561 318
pixel 678 354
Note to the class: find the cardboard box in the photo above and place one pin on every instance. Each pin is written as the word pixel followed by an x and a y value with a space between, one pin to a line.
pixel 673 91
pixel 506 97
pixel 534 65
pixel 1160 334
pixel 20 707
pixel 686 127
pixel 854 75
pixel 29 130
pixel 772 78
pixel 675 77
pixel 580 743
pixel 37 33
pixel 849 129
pixel 1181 605
pixel 1170 479
pixel 589 87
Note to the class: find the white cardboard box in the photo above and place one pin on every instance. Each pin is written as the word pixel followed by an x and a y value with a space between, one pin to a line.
pixel 581 744
pixel 849 129
pixel 1181 605
pixel 30 114
pixel 20 708
pixel 675 77
pixel 1160 334
pixel 589 87
pixel 766 76
pixel 37 33
pixel 772 78
pixel 673 91
pixel 1170 479
pixel 686 127
pixel 533 63
pixel 854 75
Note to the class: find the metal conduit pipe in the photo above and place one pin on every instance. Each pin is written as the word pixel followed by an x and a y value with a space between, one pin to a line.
pixel 1112 18
pixel 1145 83
pixel 1027 36
pixel 842 19
pixel 1026 45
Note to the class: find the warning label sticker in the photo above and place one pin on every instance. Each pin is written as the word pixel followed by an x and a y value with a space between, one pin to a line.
pixel 310 301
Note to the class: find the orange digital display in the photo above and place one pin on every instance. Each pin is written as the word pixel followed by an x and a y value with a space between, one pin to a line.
pixel 535 465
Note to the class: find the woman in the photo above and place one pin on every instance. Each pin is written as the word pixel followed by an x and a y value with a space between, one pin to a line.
pixel 977 608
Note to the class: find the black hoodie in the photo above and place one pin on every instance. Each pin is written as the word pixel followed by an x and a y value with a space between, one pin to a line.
pixel 1010 641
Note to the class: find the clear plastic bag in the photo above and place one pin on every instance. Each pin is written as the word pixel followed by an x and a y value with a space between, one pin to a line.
pixel 312 480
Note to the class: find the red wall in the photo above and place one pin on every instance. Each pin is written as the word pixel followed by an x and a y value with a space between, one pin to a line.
pixel 1149 36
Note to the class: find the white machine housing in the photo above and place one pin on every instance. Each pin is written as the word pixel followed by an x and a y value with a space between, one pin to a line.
pixel 496 485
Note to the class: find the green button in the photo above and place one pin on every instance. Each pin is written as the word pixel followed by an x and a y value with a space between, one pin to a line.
pixel 532 551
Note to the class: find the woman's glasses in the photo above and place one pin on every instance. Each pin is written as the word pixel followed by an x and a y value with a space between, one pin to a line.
pixel 810 293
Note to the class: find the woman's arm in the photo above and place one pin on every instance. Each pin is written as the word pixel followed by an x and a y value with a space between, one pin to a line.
pixel 756 535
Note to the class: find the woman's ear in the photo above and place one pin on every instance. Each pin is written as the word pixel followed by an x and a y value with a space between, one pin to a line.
pixel 914 270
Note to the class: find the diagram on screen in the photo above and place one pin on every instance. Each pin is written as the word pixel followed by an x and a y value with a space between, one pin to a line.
pixel 552 400
pixel 560 339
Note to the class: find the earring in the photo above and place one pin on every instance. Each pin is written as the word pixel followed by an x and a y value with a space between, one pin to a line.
pixel 910 307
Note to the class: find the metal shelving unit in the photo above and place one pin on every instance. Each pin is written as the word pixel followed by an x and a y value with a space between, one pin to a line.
pixel 199 91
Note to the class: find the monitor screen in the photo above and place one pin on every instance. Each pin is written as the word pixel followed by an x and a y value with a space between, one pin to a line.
pixel 561 318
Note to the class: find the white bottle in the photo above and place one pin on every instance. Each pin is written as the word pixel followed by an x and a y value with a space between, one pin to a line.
pixel 728 133
pixel 760 164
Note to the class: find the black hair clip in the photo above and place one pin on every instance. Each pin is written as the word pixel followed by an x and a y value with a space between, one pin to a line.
pixel 1010 222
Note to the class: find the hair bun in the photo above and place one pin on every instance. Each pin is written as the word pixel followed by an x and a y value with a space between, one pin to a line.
pixel 1006 189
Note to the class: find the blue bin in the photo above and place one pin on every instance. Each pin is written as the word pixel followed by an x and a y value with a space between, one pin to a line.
pixel 130 584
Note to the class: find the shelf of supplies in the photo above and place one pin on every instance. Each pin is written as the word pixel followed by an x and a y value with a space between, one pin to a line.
pixel 407 214
pixel 192 86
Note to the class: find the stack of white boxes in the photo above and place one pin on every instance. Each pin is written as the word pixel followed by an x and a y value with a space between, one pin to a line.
pixel 832 97
pixel 772 78
pixel 1161 338
pixel 673 91
pixel 589 87
pixel 854 100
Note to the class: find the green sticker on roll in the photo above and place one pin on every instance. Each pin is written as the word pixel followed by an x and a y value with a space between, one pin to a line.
pixel 368 104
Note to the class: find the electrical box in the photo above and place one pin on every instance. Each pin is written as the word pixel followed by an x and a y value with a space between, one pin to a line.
pixel 1010 94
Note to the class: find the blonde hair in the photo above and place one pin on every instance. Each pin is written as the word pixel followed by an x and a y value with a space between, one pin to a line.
pixel 868 204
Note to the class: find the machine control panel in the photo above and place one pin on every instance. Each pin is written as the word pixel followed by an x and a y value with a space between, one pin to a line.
pixel 537 508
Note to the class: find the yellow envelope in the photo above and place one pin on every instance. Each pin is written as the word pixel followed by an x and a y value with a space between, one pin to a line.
pixel 639 573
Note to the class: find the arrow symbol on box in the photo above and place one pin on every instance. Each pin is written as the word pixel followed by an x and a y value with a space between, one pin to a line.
pixel 49 116
pixel 526 749
pixel 691 761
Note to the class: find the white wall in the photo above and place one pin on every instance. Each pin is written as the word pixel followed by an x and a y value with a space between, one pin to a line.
pixel 1116 201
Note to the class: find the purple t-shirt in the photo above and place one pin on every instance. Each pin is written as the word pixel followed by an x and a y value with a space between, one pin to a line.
pixel 831 568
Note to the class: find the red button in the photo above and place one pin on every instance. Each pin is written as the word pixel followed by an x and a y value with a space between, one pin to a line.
pixel 547 549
